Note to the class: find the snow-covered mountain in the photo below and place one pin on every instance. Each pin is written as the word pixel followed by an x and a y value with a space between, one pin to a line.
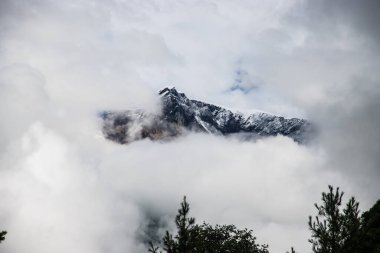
pixel 181 114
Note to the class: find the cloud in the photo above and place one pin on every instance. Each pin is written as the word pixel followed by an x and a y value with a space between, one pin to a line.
pixel 341 18
pixel 64 191
pixel 347 91
pixel 65 188
pixel 23 100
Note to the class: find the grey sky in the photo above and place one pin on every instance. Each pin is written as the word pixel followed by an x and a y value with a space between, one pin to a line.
pixel 66 189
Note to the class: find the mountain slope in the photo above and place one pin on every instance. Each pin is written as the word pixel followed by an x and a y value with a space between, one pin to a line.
pixel 180 114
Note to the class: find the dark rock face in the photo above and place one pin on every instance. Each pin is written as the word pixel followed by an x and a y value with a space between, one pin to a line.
pixel 180 114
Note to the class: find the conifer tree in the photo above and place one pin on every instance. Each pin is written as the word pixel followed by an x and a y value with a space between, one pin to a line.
pixel 370 230
pixel 183 242
pixel 335 230
pixel 350 226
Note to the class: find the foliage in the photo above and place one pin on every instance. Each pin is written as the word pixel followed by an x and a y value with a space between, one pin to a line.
pixel 370 230
pixel 226 238
pixel 335 230
pixel 205 238
pixel 291 250
pixel 2 235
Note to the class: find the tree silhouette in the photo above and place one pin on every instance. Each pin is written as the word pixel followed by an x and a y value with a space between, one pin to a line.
pixel 291 250
pixel 335 230
pixel 193 238
pixel 370 230
pixel 2 235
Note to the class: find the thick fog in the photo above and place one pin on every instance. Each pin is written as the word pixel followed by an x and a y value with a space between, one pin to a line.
pixel 64 188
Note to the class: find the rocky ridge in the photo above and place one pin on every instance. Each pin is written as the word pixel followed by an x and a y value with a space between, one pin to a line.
pixel 181 114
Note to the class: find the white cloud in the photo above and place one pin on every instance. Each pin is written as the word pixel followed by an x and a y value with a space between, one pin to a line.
pixel 71 193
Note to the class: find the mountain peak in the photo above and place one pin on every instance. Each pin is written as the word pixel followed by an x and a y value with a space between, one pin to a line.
pixel 171 91
pixel 180 114
pixel 168 90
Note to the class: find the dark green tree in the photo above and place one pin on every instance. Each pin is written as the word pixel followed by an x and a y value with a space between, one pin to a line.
pixel 185 239
pixel 226 238
pixel 2 235
pixel 193 238
pixel 152 248
pixel 370 230
pixel 291 250
pixel 351 226
pixel 335 230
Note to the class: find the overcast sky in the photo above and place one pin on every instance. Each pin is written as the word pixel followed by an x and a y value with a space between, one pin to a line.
pixel 66 189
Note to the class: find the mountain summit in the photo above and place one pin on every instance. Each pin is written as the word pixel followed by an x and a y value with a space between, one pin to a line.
pixel 181 114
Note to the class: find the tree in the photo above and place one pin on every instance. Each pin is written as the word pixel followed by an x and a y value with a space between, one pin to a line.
pixel 370 230
pixel 205 238
pixel 183 242
pixel 2 235
pixel 335 230
pixel 351 226
pixel 226 238
pixel 153 248
pixel 291 250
